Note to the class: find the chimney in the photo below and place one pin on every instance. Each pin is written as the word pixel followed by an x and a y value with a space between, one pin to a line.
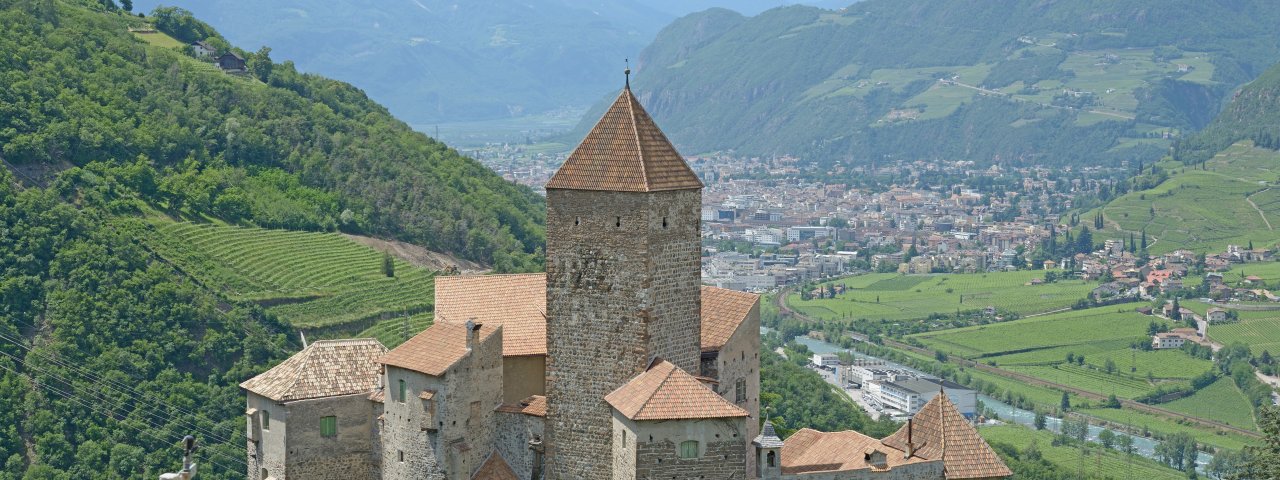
pixel 911 447
pixel 473 334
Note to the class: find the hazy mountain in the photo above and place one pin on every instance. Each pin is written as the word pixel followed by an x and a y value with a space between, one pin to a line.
pixel 444 61
pixel 1253 114
pixel 1072 81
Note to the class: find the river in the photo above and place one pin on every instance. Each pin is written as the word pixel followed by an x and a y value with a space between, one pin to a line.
pixel 1142 446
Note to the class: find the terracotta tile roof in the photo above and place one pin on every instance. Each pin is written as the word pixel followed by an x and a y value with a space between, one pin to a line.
pixel 495 468
pixel 665 392
pixel 808 450
pixel 517 302
pixel 325 368
pixel 625 152
pixel 534 405
pixel 722 311
pixel 941 432
pixel 434 350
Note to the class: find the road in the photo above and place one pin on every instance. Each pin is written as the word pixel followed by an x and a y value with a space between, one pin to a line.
pixel 780 300
pixel 1016 99
pixel 1255 207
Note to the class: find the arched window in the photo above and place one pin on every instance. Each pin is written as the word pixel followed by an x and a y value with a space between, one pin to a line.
pixel 771 459
pixel 689 449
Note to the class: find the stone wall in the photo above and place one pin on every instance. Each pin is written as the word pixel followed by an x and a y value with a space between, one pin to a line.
pixel 739 359
pixel 622 288
pixel 511 441
pixel 657 448
pixel 450 435
pixel 523 376
pixel 269 451
pixel 345 456
pixel 916 471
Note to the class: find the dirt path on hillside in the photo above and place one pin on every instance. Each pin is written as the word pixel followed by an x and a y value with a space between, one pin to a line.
pixel 419 256
pixel 1255 207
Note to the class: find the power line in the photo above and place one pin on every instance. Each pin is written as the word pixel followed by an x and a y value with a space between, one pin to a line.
pixel 154 435
pixel 131 393
pixel 155 420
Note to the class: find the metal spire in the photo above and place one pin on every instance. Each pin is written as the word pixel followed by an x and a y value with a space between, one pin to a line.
pixel 627 72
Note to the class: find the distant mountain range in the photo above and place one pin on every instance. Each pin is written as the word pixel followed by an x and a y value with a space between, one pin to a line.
pixel 1064 82
pixel 432 61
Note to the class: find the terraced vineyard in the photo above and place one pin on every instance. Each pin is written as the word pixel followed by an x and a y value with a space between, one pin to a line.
pixel 893 296
pixel 1100 462
pixel 1205 210
pixel 310 280
pixel 394 331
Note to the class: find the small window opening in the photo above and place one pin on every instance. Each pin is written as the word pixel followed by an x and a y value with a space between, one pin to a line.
pixel 402 391
pixel 664 222
pixel 401 456
pixel 771 459
pixel 689 449
pixel 618 222
pixel 577 221
pixel 329 426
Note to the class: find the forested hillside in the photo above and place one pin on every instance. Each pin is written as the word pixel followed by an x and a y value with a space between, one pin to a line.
pixel 272 147
pixel 1066 82
pixel 1253 114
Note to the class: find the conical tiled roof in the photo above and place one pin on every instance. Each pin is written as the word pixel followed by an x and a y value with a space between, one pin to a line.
pixel 625 152
pixel 940 431
pixel 768 437
pixel 325 368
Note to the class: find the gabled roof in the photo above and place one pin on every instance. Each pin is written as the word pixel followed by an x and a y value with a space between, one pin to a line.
pixel 625 152
pixel 665 392
pixel 517 302
pixel 807 451
pixel 324 369
pixel 941 432
pixel 723 310
pixel 495 468
pixel 436 349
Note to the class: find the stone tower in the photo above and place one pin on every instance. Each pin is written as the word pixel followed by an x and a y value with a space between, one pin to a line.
pixel 623 278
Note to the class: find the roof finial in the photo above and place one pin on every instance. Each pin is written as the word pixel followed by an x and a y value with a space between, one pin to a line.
pixel 627 72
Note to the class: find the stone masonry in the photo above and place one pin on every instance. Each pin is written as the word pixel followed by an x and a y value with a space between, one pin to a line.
pixel 622 289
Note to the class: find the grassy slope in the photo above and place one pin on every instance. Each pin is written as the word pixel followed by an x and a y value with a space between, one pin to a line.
pixel 1205 210
pixel 308 279
pixel 1038 346
pixel 1097 463
pixel 916 296
pixel 1221 401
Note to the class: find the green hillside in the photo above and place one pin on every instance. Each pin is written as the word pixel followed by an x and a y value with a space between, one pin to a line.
pixel 1078 81
pixel 273 148
pixel 1229 199
pixel 1253 114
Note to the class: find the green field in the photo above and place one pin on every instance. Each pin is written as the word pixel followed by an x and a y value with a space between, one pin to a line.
pixel 159 39
pixel 1163 426
pixel 1097 463
pixel 1039 347
pixel 308 279
pixel 893 296
pixel 1221 401
pixel 1205 210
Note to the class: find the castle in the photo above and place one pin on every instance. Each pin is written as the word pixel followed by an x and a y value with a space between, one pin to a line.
pixel 614 364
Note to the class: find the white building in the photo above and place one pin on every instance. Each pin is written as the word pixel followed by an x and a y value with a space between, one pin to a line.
pixel 826 359
pixel 907 396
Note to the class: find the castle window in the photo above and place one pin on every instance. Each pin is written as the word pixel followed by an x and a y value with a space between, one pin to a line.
pixel 771 459
pixel 577 221
pixel 329 426
pixel 689 449
pixel 740 391
pixel 266 420
pixel 401 456
pixel 664 222
pixel 401 393
pixel 624 438
pixel 618 222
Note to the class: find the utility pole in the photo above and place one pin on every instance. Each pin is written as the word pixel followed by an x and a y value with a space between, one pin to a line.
pixel 188 467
